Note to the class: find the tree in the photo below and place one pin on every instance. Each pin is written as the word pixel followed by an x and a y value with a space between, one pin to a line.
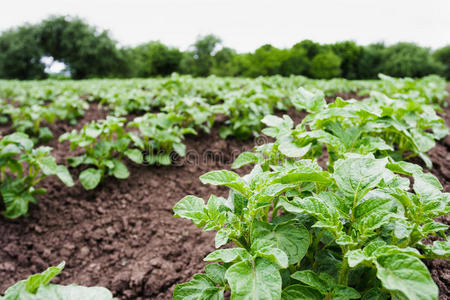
pixel 20 54
pixel 410 60
pixel 370 62
pixel 155 58
pixel 266 61
pixel 224 62
pixel 311 48
pixel 295 63
pixel 442 55
pixel 325 65
pixel 350 54
pixel 87 51
pixel 203 50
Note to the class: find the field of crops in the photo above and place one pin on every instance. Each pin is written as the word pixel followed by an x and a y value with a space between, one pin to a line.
pixel 267 188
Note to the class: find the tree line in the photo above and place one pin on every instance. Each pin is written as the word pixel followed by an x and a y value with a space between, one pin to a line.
pixel 90 53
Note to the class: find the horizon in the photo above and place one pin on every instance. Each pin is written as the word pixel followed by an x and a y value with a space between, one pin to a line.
pixel 177 23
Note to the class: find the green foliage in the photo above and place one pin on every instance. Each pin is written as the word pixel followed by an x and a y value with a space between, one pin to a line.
pixel 38 287
pixel 20 54
pixel 442 55
pixel 296 62
pixel 350 55
pixel 349 231
pixel 86 51
pixel 155 58
pixel 369 65
pixel 362 218
pixel 89 52
pixel 159 135
pixel 325 65
pixel 200 60
pixel 225 62
pixel 105 143
pixel 266 61
pixel 409 60
pixel 22 167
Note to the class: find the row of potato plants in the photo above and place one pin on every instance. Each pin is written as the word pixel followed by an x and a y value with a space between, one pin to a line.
pixel 106 142
pixel 375 123
pixel 244 101
pixel 352 230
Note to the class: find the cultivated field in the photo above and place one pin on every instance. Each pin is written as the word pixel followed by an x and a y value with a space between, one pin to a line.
pixel 310 189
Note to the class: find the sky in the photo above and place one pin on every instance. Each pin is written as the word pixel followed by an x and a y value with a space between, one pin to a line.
pixel 247 24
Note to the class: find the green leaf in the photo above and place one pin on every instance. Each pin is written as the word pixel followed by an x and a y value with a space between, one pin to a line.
pixel 228 255
pixel 328 216
pixel 299 176
pixel 310 278
pixel 290 149
pixel 180 149
pixel 300 292
pixel 257 281
pixel 64 175
pixel 135 155
pixel 438 248
pixel 191 208
pixel 48 165
pixel 245 158
pixel 201 287
pixel 310 101
pixel 90 178
pixel 273 121
pixel 226 178
pixel 355 176
pixel 76 161
pixel 120 171
pixel 355 257
pixel 33 282
pixel 221 238
pixel 268 250
pixel 345 292
pixel 293 240
pixel 16 197
pixel 26 289
pixel 72 292
pixel 216 273
pixel 375 294
pixel 376 202
pixel 163 159
pixel 406 275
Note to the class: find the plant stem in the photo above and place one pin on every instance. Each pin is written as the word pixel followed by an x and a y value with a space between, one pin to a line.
pixel 343 273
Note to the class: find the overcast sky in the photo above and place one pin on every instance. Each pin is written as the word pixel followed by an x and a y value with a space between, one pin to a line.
pixel 248 24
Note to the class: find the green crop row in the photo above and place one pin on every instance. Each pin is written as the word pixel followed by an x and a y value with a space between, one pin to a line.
pixel 351 230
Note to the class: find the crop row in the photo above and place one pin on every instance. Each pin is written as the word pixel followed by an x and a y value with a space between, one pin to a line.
pixel 245 101
pixel 301 231
pixel 350 230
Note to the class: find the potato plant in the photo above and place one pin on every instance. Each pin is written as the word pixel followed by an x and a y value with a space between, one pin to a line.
pixel 158 135
pixel 105 143
pixel 301 232
pixel 38 287
pixel 399 128
pixel 28 119
pixel 196 112
pixel 22 167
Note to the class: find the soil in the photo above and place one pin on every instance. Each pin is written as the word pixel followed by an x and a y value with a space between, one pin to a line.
pixel 123 235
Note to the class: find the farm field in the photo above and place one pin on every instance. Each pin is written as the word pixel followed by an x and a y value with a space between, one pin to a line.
pixel 128 152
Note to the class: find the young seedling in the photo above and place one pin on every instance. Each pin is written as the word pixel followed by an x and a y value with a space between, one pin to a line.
pixel 105 143
pixel 21 168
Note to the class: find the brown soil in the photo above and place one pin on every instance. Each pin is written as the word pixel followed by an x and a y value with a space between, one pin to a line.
pixel 123 235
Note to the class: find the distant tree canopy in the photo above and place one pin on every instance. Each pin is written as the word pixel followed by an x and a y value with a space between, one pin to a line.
pixel 442 55
pixel 88 52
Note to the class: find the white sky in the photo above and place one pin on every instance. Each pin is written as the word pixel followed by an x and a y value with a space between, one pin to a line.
pixel 248 24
